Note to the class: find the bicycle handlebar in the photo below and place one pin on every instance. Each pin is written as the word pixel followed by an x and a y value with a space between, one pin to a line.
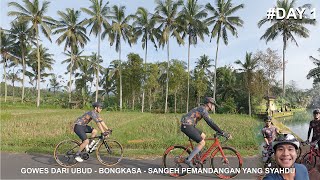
pixel 221 135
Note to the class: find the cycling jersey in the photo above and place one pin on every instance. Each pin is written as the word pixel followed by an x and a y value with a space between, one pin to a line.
pixel 195 115
pixel 315 125
pixel 269 133
pixel 87 117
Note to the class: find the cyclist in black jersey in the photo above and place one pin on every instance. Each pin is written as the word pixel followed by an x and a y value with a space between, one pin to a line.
pixel 190 120
pixel 81 127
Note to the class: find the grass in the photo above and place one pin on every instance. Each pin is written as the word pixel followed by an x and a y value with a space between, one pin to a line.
pixel 28 129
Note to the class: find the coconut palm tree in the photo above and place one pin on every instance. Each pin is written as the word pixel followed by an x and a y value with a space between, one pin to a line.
pixel 20 32
pixel 7 46
pixel 223 20
pixel 46 63
pixel 96 66
pixel 192 17
pixel 72 33
pixel 286 28
pixel 248 68
pixel 166 14
pixel 144 25
pixel 98 13
pixel 315 72
pixel 34 13
pixel 120 29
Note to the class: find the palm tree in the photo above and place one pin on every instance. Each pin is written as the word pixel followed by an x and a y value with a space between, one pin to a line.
pixel 192 16
pixel 223 20
pixel 20 32
pixel 96 67
pixel 248 68
pixel 98 13
pixel 73 34
pixel 286 28
pixel 315 72
pixel 120 28
pixel 204 63
pixel 166 14
pixel 144 25
pixel 107 83
pixel 46 63
pixel 34 13
pixel 84 76
pixel 13 77
pixel 7 45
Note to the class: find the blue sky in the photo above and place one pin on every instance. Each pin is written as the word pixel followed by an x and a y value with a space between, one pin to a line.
pixel 248 39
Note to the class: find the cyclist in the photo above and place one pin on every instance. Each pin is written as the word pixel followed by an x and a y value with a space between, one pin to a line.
pixel 315 126
pixel 285 147
pixel 190 120
pixel 81 127
pixel 269 131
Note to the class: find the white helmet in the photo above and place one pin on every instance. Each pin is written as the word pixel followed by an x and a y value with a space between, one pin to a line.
pixel 285 139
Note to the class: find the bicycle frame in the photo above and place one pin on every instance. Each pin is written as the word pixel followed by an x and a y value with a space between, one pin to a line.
pixel 215 145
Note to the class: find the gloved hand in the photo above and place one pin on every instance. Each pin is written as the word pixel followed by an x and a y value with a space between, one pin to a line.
pixel 227 135
pixel 106 133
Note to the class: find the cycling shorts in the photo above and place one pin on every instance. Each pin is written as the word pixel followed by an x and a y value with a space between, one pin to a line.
pixel 82 130
pixel 192 132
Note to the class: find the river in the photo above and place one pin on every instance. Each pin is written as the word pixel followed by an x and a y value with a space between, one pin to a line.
pixel 298 123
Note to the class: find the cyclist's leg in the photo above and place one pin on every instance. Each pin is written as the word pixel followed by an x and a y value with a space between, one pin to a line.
pixel 196 135
pixel 81 132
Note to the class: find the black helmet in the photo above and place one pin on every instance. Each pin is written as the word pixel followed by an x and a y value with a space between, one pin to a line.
pixel 209 100
pixel 316 111
pixel 97 104
pixel 268 118
pixel 285 139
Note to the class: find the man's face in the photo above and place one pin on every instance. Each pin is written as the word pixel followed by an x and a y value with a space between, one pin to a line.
pixel 98 109
pixel 285 155
pixel 268 123
pixel 316 116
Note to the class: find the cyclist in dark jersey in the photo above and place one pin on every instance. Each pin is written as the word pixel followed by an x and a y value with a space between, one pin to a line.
pixel 190 120
pixel 269 131
pixel 81 127
pixel 315 126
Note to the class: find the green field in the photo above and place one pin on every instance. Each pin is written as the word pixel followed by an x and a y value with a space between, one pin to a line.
pixel 28 129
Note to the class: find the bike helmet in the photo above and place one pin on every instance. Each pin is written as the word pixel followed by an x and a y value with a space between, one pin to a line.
pixel 210 100
pixel 97 104
pixel 316 111
pixel 268 119
pixel 285 139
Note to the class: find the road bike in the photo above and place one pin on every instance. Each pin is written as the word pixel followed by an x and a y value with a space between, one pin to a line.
pixel 109 152
pixel 219 156
pixel 309 159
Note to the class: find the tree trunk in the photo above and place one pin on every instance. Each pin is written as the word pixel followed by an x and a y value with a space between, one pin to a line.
pixel 23 72
pixel 188 75
pixel 144 78
pixel 38 54
pixel 175 101
pixel 5 79
pixel 150 99
pixel 167 83
pixel 215 73
pixel 284 66
pixel 133 99
pixel 249 101
pixel 70 70
pixel 120 75
pixel 97 78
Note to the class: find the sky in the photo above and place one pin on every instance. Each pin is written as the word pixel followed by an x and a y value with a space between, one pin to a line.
pixel 298 62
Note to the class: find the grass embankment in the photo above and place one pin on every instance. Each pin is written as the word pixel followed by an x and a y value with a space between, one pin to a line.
pixel 28 129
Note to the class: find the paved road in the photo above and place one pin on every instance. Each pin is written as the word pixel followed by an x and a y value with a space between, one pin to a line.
pixel 13 166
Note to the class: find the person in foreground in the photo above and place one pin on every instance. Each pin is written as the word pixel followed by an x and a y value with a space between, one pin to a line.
pixel 190 120
pixel 285 147
pixel 81 127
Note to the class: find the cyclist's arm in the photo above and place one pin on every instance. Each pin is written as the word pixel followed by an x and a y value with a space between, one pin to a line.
pixel 265 137
pixel 212 124
pixel 104 126
pixel 309 131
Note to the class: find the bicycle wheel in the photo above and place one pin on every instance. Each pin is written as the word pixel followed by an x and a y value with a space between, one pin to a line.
pixel 65 151
pixel 309 161
pixel 109 152
pixel 227 167
pixel 174 157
